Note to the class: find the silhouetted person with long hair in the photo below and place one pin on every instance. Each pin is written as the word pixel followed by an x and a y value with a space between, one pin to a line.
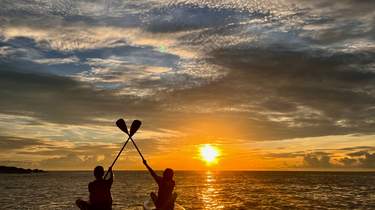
pixel 100 192
pixel 165 198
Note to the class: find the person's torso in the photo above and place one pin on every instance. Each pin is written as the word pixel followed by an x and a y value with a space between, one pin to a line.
pixel 165 191
pixel 100 193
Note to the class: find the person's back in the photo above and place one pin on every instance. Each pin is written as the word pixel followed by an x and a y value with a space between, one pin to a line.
pixel 100 194
pixel 165 198
pixel 166 186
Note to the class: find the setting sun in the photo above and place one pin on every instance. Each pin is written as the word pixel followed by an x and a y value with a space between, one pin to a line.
pixel 209 153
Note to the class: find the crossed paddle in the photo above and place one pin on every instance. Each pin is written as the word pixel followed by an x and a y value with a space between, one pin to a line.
pixel 136 124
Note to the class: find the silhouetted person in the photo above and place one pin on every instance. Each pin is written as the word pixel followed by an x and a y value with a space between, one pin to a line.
pixel 165 198
pixel 100 192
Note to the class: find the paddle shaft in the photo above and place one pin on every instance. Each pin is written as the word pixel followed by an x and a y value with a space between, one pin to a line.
pixel 118 155
pixel 123 147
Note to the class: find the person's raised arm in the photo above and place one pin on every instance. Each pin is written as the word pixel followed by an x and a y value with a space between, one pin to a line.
pixel 110 175
pixel 152 172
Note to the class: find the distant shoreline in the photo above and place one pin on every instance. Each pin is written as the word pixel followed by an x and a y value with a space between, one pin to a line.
pixel 15 170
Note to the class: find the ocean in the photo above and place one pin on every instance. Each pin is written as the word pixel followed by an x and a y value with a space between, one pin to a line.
pixel 198 190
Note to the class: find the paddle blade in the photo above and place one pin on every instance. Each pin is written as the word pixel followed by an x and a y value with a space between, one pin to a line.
pixel 122 125
pixel 134 127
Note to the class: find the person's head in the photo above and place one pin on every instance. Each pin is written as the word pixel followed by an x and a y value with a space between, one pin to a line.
pixel 99 172
pixel 168 174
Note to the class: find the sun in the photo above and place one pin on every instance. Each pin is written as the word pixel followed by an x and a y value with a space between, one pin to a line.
pixel 209 154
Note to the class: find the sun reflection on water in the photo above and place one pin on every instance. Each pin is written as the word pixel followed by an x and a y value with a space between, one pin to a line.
pixel 210 194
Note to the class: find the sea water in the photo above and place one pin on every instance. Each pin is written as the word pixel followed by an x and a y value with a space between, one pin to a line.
pixel 198 190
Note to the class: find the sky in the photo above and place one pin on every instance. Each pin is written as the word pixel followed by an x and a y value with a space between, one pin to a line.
pixel 272 85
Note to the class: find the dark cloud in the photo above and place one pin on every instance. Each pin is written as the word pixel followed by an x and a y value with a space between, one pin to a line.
pixel 368 148
pixel 357 157
pixel 52 98
pixel 22 164
pixel 319 82
pixel 132 54
pixel 342 21
pixel 327 160
pixel 9 143
pixel 87 156
pixel 79 149
pixel 44 14
pixel 24 51
pixel 317 161
pixel 60 99
pixel 358 153
pixel 368 161
pixel 285 155
pixel 348 162
pixel 362 159
pixel 79 156
pixel 70 161
pixel 314 92
pixel 186 17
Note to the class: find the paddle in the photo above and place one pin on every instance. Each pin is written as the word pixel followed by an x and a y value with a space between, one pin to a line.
pixel 133 129
pixel 120 123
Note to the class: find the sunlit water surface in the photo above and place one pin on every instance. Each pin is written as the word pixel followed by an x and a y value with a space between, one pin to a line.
pixel 198 190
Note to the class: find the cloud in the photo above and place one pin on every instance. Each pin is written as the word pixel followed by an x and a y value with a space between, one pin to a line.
pixel 285 155
pixel 130 63
pixel 187 17
pixel 368 148
pixel 69 37
pixel 55 61
pixel 330 159
pixel 318 85
pixel 360 159
pixel 348 162
pixel 69 161
pixel 32 93
pixel 22 164
pixel 49 154
pixel 324 153
pixel 275 94
pixel 358 153
pixel 368 161
pixel 317 160
pixel 9 143
pixel 85 156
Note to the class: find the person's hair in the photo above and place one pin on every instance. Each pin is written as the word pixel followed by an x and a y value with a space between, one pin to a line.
pixel 168 174
pixel 98 172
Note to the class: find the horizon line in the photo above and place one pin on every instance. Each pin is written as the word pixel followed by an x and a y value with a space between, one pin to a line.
pixel 226 170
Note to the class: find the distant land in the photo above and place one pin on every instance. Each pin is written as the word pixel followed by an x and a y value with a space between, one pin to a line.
pixel 15 170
